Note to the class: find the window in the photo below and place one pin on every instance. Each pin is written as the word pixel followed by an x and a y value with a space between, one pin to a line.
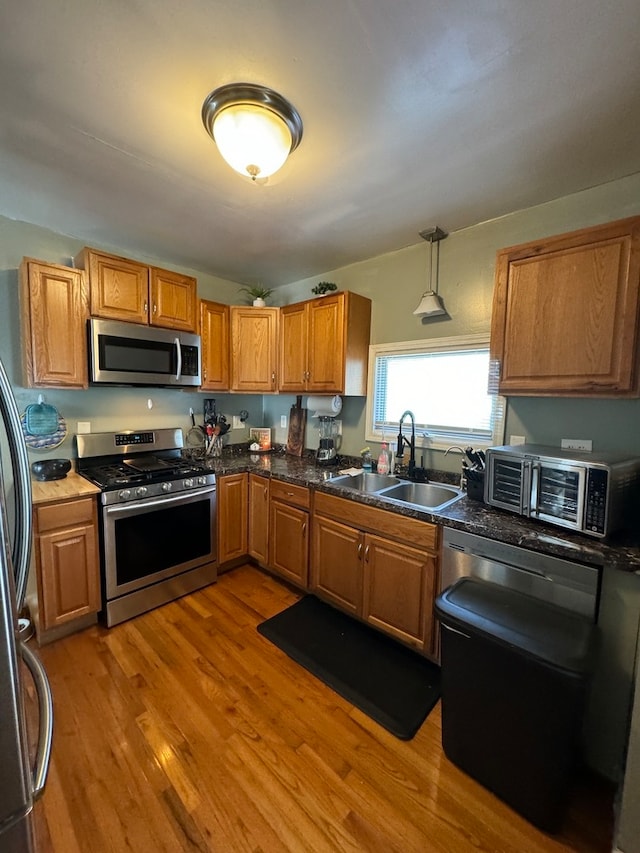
pixel 444 382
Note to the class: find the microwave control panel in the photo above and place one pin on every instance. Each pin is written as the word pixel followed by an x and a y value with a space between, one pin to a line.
pixel 596 500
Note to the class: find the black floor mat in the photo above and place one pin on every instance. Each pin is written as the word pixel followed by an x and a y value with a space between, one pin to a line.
pixel 390 683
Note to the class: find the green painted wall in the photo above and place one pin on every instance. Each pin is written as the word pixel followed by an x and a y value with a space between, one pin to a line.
pixel 396 281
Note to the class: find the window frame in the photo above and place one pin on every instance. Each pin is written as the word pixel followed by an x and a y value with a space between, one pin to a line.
pixel 433 345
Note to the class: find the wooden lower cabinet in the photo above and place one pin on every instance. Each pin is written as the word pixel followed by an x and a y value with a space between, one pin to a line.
pixel 289 532
pixel 386 577
pixel 259 519
pixel 67 563
pixel 399 589
pixel 336 564
pixel 232 517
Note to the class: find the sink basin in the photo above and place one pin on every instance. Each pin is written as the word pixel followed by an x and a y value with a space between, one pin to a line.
pixel 365 482
pixel 424 495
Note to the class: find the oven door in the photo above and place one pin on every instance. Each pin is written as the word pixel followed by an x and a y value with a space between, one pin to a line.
pixel 557 493
pixel 154 539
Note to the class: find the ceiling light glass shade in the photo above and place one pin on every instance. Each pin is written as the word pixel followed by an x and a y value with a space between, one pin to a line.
pixel 430 305
pixel 254 127
pixel 253 141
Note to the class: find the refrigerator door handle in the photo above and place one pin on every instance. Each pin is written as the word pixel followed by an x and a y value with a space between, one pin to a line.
pixel 45 727
pixel 22 486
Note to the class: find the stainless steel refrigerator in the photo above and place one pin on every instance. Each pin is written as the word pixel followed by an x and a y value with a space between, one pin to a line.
pixel 23 765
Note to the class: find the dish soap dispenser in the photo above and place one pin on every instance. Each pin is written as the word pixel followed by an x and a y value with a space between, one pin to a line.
pixel 383 459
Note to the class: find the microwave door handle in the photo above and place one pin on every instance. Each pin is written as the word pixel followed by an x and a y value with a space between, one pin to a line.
pixel 45 727
pixel 179 358
pixel 535 489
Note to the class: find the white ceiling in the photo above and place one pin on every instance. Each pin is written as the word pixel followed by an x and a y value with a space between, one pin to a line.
pixel 415 113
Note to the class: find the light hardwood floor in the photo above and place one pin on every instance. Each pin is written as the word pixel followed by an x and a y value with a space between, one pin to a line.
pixel 185 730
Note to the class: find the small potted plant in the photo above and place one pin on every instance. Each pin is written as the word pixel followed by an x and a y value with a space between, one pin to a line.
pixel 323 287
pixel 257 295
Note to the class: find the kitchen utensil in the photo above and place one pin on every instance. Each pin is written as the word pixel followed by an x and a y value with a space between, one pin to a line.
pixel 41 418
pixel 195 440
pixel 297 423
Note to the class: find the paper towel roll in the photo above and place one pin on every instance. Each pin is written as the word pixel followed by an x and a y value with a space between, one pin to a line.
pixel 325 407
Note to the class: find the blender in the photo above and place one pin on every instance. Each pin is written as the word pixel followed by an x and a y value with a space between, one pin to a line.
pixel 326 452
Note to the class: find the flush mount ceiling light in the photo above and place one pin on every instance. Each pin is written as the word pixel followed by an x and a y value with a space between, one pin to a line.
pixel 254 127
pixel 431 304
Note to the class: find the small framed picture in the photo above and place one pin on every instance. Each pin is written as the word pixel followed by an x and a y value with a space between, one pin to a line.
pixel 260 436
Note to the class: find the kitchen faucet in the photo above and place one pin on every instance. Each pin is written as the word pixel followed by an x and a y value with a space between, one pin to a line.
pixel 402 440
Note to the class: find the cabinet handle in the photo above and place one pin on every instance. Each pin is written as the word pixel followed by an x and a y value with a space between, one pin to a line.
pixel 204 373
pixel 155 307
pixel 366 554
pixel 146 307
pixel 359 550
pixel 304 529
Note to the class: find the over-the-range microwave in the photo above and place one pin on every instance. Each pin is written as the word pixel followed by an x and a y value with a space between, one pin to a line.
pixel 132 354
pixel 592 494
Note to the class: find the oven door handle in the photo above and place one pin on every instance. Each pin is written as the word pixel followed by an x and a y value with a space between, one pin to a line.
pixel 151 503
pixel 178 358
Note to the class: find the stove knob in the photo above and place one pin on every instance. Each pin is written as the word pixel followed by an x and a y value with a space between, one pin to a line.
pixel 141 491
pixel 188 483
pixel 202 481
pixel 125 494
pixel 166 487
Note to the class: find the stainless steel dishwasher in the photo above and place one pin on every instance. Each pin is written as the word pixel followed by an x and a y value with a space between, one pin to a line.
pixel 573 586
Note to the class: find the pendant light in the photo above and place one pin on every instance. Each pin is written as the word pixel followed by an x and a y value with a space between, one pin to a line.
pixel 254 128
pixel 431 304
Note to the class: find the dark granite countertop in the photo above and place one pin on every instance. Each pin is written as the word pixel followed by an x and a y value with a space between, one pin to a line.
pixel 466 514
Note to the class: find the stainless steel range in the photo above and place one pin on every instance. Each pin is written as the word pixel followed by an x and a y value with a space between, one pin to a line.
pixel 157 521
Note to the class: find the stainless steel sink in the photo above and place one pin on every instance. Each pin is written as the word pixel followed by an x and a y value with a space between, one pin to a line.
pixel 430 496
pixel 365 482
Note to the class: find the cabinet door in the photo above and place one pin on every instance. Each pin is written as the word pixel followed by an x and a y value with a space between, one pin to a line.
pixel 289 542
pixel 67 562
pixel 565 313
pixel 214 330
pixel 398 591
pixel 326 345
pixel 232 517
pixel 336 564
pixel 54 310
pixel 253 349
pixel 174 300
pixel 119 288
pixel 259 519
pixel 293 348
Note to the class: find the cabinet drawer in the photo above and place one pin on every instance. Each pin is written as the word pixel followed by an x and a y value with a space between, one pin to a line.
pixel 286 492
pixel 64 514
pixel 422 534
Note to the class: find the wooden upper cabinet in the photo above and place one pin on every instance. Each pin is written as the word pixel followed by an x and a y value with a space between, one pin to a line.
pixel 174 300
pixel 254 349
pixel 565 314
pixel 122 289
pixel 324 345
pixel 214 331
pixel 54 309
pixel 293 347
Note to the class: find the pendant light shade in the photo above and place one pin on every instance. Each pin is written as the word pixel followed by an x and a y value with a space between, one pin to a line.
pixel 254 128
pixel 431 304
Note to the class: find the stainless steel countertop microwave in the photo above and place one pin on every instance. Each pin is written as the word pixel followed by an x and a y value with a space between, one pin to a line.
pixel 594 494
pixel 132 354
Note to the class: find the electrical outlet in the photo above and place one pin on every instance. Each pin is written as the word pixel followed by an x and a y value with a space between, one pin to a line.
pixel 577 444
pixel 84 427
pixel 237 422
pixel 517 439
pixel 283 421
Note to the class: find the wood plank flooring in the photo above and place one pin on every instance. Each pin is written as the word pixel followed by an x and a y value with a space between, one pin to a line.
pixel 185 730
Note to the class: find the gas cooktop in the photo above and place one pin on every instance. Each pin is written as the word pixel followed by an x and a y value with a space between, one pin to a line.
pixel 137 464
